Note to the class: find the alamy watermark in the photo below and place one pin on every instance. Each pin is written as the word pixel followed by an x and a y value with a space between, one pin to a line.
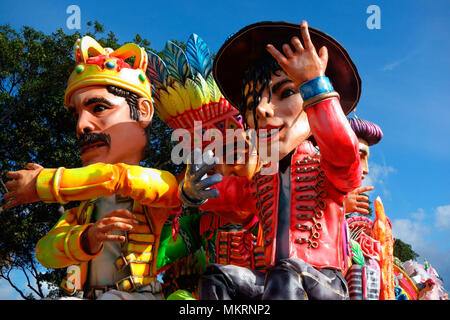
pixel 374 20
pixel 73 277
pixel 74 20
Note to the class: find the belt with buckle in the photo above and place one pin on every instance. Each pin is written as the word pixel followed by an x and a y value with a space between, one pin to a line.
pixel 126 284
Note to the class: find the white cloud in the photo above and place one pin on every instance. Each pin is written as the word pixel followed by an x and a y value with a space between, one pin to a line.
pixel 396 63
pixel 391 66
pixel 415 230
pixel 377 176
pixel 419 215
pixel 442 217
pixel 411 231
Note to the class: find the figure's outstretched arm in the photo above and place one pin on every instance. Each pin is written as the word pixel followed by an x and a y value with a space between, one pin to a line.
pixel 147 186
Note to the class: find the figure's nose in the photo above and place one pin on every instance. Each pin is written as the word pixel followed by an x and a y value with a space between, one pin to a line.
pixel 264 109
pixel 365 166
pixel 85 123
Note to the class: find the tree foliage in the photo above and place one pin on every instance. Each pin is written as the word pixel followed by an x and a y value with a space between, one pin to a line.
pixel 404 251
pixel 35 127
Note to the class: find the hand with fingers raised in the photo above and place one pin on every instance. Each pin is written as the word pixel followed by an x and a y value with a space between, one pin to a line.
pixel 195 188
pixel 356 202
pixel 102 231
pixel 303 64
pixel 22 187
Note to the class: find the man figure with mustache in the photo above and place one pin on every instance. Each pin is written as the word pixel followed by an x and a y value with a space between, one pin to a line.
pixel 287 98
pixel 113 236
pixel 368 134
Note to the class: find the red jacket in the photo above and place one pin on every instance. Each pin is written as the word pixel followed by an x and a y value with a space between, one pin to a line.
pixel 318 186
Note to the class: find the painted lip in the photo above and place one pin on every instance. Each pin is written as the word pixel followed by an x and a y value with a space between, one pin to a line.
pixel 92 146
pixel 269 132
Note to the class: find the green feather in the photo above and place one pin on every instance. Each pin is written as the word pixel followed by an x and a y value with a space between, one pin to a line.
pixel 358 256
pixel 176 62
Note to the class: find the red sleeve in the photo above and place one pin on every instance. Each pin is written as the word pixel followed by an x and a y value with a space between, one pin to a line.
pixel 235 202
pixel 338 144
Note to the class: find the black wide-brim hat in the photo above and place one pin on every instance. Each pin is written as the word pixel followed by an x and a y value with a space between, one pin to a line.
pixel 249 45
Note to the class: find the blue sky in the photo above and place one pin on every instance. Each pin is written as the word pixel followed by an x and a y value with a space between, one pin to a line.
pixel 403 68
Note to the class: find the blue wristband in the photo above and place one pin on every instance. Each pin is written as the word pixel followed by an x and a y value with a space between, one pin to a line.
pixel 314 87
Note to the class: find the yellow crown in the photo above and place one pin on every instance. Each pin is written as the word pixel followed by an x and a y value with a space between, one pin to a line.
pixel 103 66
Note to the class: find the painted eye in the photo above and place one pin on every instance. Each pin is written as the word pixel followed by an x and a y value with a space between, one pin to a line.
pixel 287 93
pixel 100 108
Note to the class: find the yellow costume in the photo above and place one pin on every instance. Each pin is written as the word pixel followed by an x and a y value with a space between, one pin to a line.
pixel 153 192
pixel 149 193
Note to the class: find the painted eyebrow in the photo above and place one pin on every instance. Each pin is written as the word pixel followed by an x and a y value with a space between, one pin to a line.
pixel 363 151
pixel 98 100
pixel 277 85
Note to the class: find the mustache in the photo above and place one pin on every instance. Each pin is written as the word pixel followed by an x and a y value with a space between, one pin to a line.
pixel 93 137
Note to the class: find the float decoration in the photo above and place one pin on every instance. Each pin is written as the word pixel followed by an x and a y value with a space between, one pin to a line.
pixel 185 90
pixel 360 228
pixel 420 274
pixel 382 231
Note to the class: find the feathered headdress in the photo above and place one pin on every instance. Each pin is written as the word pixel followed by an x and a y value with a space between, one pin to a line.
pixel 184 89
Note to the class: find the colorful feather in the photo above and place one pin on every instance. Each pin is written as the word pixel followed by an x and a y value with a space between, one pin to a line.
pixel 195 93
pixel 357 254
pixel 156 71
pixel 213 89
pixel 201 82
pixel 155 93
pixel 198 56
pixel 176 62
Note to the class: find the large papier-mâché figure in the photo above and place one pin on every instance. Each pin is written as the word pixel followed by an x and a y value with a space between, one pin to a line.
pixel 300 206
pixel 188 100
pixel 363 275
pixel 111 240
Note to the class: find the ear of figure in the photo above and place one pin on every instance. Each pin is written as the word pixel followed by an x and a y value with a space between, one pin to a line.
pixel 145 111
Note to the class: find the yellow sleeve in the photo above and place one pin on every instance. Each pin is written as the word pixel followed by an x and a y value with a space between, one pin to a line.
pixel 151 187
pixel 61 246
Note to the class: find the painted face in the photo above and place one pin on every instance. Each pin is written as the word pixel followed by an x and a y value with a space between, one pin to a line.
pixel 364 154
pixel 104 128
pixel 246 169
pixel 245 159
pixel 284 113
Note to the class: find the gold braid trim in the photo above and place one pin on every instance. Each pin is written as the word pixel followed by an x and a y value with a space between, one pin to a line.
pixel 318 98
